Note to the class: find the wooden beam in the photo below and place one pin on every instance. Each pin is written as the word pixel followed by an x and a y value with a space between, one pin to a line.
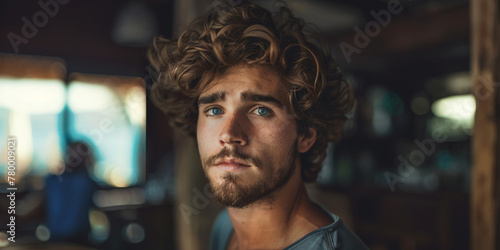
pixel 485 69
pixel 409 32
pixel 23 66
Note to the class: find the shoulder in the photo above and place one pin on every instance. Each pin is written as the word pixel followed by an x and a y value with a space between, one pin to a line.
pixel 344 238
pixel 221 231
pixel 335 236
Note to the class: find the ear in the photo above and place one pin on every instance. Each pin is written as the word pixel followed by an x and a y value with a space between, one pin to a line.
pixel 306 140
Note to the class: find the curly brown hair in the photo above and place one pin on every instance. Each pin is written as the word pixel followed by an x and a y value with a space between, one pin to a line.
pixel 229 35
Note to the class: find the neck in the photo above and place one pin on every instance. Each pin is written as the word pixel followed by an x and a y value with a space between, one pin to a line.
pixel 278 221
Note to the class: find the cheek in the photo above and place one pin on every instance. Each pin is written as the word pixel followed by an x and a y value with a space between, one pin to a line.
pixel 282 132
pixel 276 139
pixel 203 137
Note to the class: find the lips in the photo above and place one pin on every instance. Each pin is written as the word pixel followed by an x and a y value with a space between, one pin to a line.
pixel 231 164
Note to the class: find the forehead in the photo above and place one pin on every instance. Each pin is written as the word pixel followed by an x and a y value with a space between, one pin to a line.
pixel 248 78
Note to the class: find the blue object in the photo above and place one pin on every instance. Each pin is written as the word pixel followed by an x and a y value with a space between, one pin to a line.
pixel 335 236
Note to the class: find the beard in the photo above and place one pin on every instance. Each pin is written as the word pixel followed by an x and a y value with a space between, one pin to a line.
pixel 234 193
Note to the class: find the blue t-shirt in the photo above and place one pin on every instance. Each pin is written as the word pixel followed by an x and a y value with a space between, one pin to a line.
pixel 335 236
pixel 68 200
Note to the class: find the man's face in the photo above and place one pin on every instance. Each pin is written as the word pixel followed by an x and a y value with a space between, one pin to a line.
pixel 247 137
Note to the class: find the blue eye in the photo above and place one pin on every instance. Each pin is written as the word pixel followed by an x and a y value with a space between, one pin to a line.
pixel 262 111
pixel 214 111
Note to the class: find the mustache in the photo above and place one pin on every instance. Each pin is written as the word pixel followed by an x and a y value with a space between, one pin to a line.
pixel 233 153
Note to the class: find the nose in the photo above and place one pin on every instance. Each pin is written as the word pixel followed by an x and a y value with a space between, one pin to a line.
pixel 234 131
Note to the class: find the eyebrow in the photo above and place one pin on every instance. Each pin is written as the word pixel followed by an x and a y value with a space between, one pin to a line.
pixel 254 97
pixel 214 97
pixel 245 96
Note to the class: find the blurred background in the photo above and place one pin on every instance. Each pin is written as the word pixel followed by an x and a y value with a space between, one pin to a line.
pixel 75 71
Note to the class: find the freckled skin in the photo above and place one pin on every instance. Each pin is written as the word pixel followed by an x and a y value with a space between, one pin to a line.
pixel 267 201
pixel 237 123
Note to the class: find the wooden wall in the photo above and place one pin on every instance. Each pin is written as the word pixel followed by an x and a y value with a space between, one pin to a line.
pixel 485 69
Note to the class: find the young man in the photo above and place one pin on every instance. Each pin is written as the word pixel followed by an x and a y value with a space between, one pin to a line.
pixel 262 102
